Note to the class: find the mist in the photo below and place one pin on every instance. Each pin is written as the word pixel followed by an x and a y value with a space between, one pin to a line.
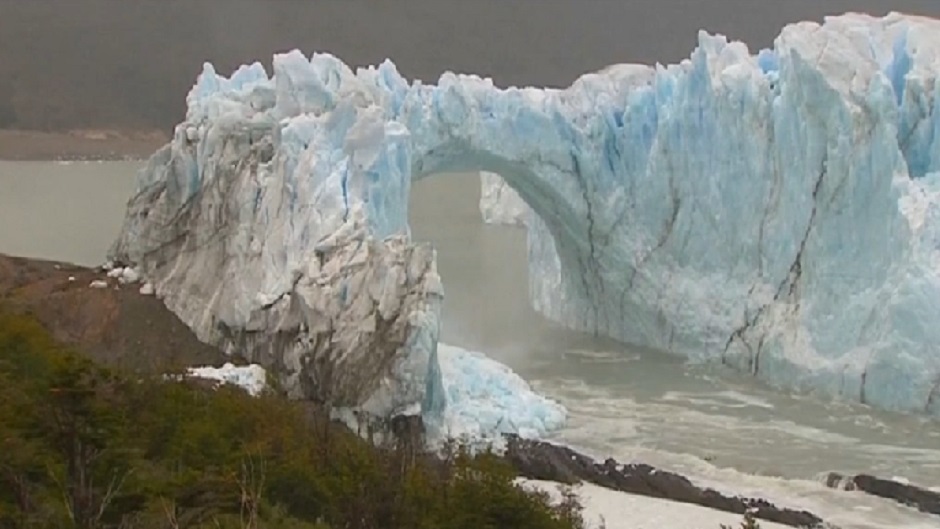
pixel 68 64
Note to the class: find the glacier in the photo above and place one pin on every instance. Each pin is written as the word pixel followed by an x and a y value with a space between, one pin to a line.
pixel 774 211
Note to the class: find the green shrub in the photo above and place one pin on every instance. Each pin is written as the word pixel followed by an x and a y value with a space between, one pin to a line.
pixel 91 448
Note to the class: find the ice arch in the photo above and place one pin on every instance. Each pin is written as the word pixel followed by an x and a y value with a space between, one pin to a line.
pixel 757 210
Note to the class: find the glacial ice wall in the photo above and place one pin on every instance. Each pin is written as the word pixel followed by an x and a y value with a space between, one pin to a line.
pixel 776 212
pixel 499 203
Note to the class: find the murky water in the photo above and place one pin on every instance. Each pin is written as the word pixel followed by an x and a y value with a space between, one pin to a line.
pixel 63 210
pixel 718 427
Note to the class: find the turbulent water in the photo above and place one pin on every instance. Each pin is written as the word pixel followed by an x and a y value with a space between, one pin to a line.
pixel 720 428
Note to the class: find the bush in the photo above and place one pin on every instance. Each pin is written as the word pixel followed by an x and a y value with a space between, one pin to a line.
pixel 749 522
pixel 92 448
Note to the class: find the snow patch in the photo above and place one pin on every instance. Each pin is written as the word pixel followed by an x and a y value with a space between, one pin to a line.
pixel 252 378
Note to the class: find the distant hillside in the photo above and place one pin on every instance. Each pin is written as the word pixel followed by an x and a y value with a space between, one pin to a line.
pixel 67 64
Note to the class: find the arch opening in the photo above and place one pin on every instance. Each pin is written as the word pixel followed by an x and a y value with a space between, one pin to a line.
pixel 487 322
pixel 566 274
pixel 484 269
pixel 553 222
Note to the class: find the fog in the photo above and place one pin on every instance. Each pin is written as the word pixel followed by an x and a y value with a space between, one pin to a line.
pixel 102 63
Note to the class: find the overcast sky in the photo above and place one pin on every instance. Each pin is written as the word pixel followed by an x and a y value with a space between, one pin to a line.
pixel 71 62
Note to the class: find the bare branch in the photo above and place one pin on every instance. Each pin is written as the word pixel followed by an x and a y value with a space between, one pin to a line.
pixel 65 496
pixel 251 483
pixel 113 489
pixel 170 511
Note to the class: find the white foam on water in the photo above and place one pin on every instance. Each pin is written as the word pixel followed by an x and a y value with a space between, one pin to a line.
pixel 594 402
pixel 86 162
pixel 845 509
pixel 729 398
pixel 600 357
pixel 619 510
pixel 663 432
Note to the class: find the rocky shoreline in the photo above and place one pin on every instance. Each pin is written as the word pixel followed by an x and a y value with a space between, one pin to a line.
pixel 118 325
pixel 924 500
pixel 546 461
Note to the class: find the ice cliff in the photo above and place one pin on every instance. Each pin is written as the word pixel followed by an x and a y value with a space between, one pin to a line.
pixel 777 212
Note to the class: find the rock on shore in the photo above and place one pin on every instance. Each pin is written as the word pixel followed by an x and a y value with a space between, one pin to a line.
pixel 919 498
pixel 545 461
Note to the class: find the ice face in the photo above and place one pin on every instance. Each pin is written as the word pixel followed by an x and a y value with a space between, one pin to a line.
pixel 776 212
pixel 499 204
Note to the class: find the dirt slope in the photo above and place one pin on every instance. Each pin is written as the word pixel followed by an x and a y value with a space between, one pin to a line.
pixel 115 325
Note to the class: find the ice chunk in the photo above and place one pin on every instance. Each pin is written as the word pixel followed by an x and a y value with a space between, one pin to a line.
pixel 128 275
pixel 484 399
pixel 478 401
pixel 774 212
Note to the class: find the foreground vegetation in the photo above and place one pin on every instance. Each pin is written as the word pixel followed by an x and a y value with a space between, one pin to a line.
pixel 86 447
